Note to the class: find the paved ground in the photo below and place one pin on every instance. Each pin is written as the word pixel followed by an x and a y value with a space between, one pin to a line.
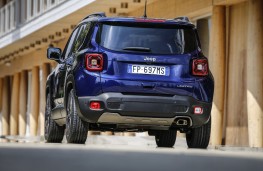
pixel 120 153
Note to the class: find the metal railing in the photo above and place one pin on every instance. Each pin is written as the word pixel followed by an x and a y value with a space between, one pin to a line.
pixel 19 12
pixel 7 18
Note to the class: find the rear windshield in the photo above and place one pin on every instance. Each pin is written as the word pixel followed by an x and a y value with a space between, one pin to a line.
pixel 148 39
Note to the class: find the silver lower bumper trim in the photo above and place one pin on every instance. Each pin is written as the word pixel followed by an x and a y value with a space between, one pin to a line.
pixel 118 119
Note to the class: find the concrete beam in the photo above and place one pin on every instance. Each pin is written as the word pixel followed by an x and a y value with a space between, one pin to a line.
pixel 172 9
pixel 227 2
pixel 27 61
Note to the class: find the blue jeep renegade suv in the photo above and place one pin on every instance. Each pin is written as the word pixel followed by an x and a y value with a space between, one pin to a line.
pixel 130 74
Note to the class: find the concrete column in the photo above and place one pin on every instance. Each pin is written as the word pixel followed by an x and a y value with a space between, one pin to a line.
pixel 45 71
pixel 236 106
pixel 106 133
pixel 93 133
pixel 255 73
pixel 203 31
pixel 217 65
pixel 1 92
pixel 118 133
pixel 53 64
pixel 22 103
pixel 14 105
pixel 28 109
pixel 5 106
pixel 129 134
pixel 34 112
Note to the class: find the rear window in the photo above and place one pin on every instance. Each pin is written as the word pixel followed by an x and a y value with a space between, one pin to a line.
pixel 156 39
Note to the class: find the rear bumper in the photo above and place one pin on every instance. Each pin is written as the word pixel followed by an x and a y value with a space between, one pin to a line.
pixel 117 108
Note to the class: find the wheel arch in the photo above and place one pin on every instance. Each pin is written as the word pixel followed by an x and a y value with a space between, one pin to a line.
pixel 70 84
pixel 49 84
pixel 49 90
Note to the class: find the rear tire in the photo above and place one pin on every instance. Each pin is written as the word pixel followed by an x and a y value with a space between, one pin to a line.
pixel 76 129
pixel 199 137
pixel 53 132
pixel 165 138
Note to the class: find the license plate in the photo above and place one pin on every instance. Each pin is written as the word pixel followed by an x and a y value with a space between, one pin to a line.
pixel 148 69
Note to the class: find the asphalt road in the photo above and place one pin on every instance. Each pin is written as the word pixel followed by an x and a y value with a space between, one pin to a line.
pixel 101 153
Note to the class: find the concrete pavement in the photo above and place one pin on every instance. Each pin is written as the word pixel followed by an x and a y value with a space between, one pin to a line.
pixel 120 153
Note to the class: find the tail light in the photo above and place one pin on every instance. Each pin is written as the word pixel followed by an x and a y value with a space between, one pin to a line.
pixel 94 62
pixel 200 67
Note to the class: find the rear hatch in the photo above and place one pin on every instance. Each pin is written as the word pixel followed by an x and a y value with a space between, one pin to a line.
pixel 147 58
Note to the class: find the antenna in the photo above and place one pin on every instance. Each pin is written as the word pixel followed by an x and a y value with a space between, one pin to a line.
pixel 145 15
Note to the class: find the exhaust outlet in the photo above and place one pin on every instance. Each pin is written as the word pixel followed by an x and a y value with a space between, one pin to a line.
pixel 181 122
pixel 184 121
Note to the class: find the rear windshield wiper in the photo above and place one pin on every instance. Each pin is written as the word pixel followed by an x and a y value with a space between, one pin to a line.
pixel 140 49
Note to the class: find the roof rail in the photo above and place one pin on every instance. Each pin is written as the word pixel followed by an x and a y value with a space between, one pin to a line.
pixel 100 14
pixel 186 19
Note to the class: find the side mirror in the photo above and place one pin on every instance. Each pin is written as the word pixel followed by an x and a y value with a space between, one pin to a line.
pixel 54 54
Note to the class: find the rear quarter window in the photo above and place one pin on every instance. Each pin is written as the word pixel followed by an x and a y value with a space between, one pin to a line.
pixel 82 34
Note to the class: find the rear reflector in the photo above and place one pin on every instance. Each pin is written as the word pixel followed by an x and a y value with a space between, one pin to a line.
pixel 94 62
pixel 198 110
pixel 94 105
pixel 200 67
